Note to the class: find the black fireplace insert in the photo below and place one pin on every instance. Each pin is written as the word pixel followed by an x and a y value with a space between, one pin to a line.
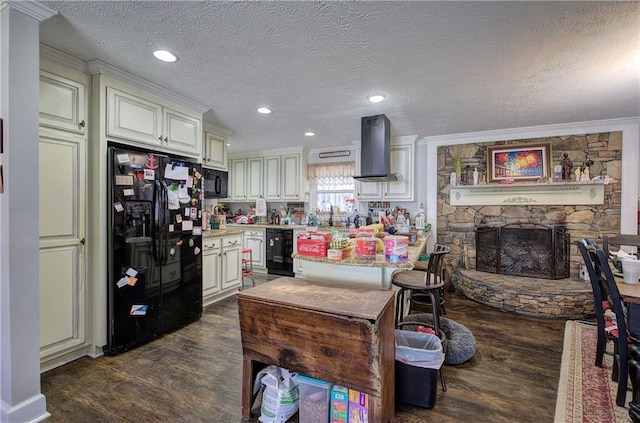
pixel 523 249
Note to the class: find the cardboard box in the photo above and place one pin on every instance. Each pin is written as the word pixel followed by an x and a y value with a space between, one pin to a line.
pixel 339 404
pixel 313 244
pixel 340 254
pixel 358 407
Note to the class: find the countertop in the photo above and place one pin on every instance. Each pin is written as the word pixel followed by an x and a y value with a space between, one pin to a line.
pixel 413 254
pixel 221 232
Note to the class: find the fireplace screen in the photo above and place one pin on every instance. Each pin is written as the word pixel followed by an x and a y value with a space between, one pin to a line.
pixel 523 249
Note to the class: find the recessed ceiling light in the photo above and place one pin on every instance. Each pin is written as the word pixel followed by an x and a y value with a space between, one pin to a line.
pixel 228 144
pixel 377 98
pixel 309 134
pixel 165 56
pixel 264 110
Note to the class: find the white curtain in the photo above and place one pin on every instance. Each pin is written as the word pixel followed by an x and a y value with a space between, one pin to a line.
pixel 331 170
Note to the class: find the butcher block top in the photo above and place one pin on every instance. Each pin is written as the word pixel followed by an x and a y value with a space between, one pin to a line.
pixel 354 302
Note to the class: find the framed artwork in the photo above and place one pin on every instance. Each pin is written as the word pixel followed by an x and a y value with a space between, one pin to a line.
pixel 525 162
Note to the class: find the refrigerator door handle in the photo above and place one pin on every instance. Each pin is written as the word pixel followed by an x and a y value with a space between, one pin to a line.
pixel 165 211
pixel 155 231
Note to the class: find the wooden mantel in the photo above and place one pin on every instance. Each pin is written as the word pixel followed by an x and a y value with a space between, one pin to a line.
pixel 556 193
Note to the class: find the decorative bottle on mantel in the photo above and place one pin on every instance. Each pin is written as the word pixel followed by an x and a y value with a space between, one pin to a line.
pixel 453 178
pixel 475 176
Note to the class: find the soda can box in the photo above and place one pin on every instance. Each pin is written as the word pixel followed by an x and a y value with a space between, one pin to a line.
pixel 358 407
pixel 312 247
pixel 339 404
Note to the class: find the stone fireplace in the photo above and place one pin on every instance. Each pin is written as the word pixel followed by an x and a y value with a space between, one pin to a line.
pixel 523 249
pixel 585 213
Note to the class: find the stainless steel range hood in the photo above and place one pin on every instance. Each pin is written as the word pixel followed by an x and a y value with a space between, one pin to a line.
pixel 375 150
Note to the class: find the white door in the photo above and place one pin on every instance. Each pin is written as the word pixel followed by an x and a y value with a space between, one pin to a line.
pixel 182 132
pixel 255 181
pixel 291 183
pixel 63 291
pixel 62 103
pixel 133 118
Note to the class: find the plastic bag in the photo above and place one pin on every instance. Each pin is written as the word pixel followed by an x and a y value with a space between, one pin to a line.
pixel 419 349
pixel 280 398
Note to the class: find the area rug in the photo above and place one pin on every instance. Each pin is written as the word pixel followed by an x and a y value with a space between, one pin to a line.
pixel 586 393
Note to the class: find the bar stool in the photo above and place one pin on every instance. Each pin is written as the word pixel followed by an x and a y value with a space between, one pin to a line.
pixel 423 286
pixel 247 266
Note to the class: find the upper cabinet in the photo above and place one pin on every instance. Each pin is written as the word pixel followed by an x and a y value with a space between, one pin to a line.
pixel 214 152
pixel 62 103
pixel 402 161
pixel 276 178
pixel 131 117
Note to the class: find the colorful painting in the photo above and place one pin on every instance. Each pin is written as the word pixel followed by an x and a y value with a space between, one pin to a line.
pixel 528 162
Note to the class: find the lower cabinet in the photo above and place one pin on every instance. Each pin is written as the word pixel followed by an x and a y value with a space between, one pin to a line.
pixel 254 239
pixel 221 267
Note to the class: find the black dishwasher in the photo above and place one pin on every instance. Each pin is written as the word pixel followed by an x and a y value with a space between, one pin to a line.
pixel 279 251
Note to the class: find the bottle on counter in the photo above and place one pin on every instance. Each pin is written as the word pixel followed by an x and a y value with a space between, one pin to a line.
pixel 419 220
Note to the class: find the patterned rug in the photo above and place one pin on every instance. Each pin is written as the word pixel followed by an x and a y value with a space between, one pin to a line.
pixel 586 393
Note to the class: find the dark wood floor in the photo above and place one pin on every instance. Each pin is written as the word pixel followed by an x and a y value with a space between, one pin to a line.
pixel 193 375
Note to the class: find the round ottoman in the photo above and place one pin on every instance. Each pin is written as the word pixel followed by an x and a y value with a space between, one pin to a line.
pixel 460 342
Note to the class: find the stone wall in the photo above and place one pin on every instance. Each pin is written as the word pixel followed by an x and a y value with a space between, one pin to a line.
pixel 456 225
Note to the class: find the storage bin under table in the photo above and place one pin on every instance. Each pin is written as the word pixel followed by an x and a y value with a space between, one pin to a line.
pixel 342 335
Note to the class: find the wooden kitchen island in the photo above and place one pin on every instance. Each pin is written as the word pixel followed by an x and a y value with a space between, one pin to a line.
pixel 342 335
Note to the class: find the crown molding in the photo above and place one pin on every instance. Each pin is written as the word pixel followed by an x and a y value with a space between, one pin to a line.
pixel 208 126
pixel 587 127
pixel 63 58
pixel 99 67
pixel 30 8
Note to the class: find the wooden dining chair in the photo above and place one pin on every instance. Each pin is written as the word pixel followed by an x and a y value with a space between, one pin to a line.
pixel 620 372
pixel 598 287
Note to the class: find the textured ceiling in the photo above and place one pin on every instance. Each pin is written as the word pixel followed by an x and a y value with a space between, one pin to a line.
pixel 446 67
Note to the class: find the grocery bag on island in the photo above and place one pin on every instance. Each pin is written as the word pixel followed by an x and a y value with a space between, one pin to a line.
pixel 280 397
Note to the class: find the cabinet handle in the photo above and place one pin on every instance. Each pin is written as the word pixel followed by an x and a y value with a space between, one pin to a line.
pixel 81 124
pixel 166 139
pixel 160 138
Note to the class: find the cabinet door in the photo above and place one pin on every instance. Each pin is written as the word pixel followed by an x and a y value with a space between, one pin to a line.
pixel 255 241
pixel 182 132
pixel 63 292
pixel 215 151
pixel 366 190
pixel 62 103
pixel 238 181
pixel 291 181
pixel 133 118
pixel 231 263
pixel 402 164
pixel 211 273
pixel 255 181
pixel 272 177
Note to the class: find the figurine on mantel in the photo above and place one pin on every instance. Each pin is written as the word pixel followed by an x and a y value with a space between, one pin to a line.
pixel 567 165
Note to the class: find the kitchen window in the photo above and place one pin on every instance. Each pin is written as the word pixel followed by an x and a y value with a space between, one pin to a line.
pixel 332 185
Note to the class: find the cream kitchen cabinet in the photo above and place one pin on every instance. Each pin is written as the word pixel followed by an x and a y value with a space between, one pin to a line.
pixel 238 180
pixel 254 239
pixel 402 164
pixel 272 178
pixel 62 103
pixel 255 181
pixel 214 153
pixel 134 118
pixel 211 265
pixel 221 267
pixel 285 177
pixel 231 262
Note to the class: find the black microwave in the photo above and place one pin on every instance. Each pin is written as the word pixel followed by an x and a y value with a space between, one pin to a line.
pixel 215 183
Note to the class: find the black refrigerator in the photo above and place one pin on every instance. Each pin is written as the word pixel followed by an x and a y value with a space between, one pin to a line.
pixel 154 246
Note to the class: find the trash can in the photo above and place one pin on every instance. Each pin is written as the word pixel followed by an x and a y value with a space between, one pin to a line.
pixel 419 356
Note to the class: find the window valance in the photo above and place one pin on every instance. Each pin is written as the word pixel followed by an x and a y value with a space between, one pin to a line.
pixel 331 170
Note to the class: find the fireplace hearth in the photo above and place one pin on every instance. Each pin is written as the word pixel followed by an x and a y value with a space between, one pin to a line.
pixel 523 249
